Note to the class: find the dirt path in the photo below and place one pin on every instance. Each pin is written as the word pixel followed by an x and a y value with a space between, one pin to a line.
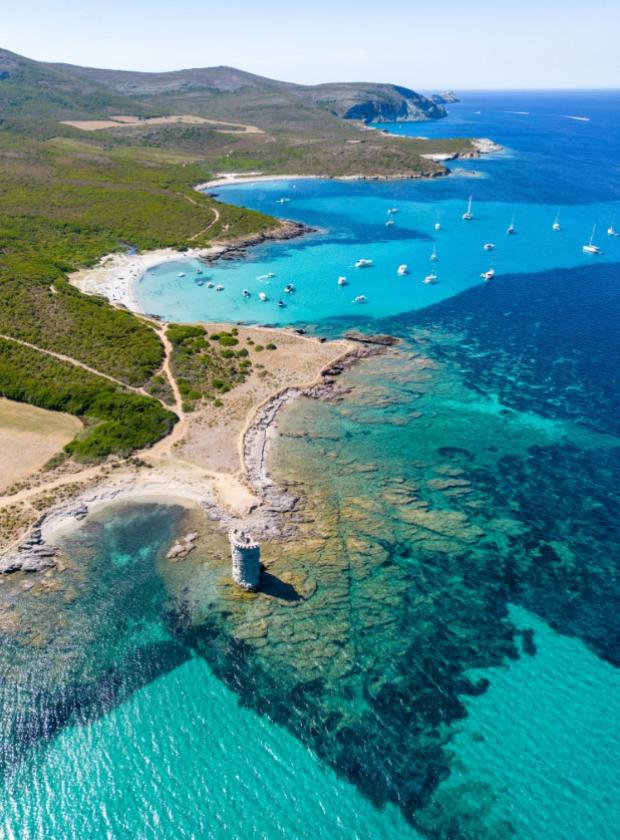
pixel 216 214
pixel 61 357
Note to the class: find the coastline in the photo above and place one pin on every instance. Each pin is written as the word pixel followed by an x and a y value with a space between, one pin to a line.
pixel 238 493
pixel 115 275
pixel 480 146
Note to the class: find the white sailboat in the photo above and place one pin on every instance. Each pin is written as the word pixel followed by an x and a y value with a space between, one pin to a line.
pixel 468 215
pixel 437 223
pixel 429 279
pixel 511 227
pixel 591 248
pixel 433 257
pixel 363 263
pixel 611 230
pixel 556 222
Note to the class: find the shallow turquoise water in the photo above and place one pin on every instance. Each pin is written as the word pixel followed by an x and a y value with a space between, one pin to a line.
pixel 354 216
pixel 181 759
pixel 555 714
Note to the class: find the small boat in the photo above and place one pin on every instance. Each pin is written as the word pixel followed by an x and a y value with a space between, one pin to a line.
pixel 433 257
pixel 488 275
pixel 363 263
pixel 209 285
pixel 402 270
pixel 342 281
pixel 181 274
pixel 289 288
pixel 283 200
pixel 200 282
pixel 611 230
pixel 389 223
pixel 556 222
pixel 429 279
pixel 281 304
pixel 246 293
pixel 360 299
pixel 591 248
pixel 393 210
pixel 511 227
pixel 219 288
pixel 468 215
pixel 489 246
pixel 437 223
pixel 262 296
pixel 266 276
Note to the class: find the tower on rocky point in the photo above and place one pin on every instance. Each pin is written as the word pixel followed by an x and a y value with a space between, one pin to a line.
pixel 245 554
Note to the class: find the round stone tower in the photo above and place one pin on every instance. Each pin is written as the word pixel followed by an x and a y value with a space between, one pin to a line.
pixel 245 554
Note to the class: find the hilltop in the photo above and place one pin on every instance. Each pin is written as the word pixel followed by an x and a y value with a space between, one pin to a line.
pixel 72 92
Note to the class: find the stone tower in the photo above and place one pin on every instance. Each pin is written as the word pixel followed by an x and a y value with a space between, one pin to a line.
pixel 245 554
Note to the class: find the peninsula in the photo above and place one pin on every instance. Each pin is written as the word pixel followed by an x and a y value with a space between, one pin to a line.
pixel 99 171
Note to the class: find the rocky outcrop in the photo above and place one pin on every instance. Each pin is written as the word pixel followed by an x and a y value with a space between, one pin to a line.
pixel 376 103
pixel 379 338
pixel 32 554
pixel 237 248
pixel 445 98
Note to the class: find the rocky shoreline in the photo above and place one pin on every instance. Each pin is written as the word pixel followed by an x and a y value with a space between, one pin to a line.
pixel 38 552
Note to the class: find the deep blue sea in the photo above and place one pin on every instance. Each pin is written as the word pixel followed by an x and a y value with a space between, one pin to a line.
pixel 441 658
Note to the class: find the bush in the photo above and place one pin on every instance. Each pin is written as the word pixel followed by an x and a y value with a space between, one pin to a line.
pixel 228 340
pixel 259 348
pixel 272 346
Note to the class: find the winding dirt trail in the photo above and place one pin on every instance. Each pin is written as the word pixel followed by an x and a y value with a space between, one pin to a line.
pixel 63 358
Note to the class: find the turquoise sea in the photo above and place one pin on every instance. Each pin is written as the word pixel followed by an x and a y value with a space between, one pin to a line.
pixel 442 658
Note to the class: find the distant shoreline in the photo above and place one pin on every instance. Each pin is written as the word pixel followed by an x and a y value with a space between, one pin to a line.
pixel 480 146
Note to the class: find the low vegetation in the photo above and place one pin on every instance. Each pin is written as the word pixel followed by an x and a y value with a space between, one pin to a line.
pixel 116 420
pixel 206 366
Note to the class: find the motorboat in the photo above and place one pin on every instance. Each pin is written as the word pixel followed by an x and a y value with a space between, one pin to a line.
pixel 393 210
pixel 363 263
pixel 591 248
pixel 488 275
pixel 489 246
pixel 342 281
pixel 219 288
pixel 389 223
pixel 360 299
pixel 468 215
pixel 289 288
pixel 246 293
pixel 181 274
pixel 262 296
pixel 210 285
pixel 429 279
pixel 283 200
pixel 281 304
pixel 264 277
pixel 402 270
